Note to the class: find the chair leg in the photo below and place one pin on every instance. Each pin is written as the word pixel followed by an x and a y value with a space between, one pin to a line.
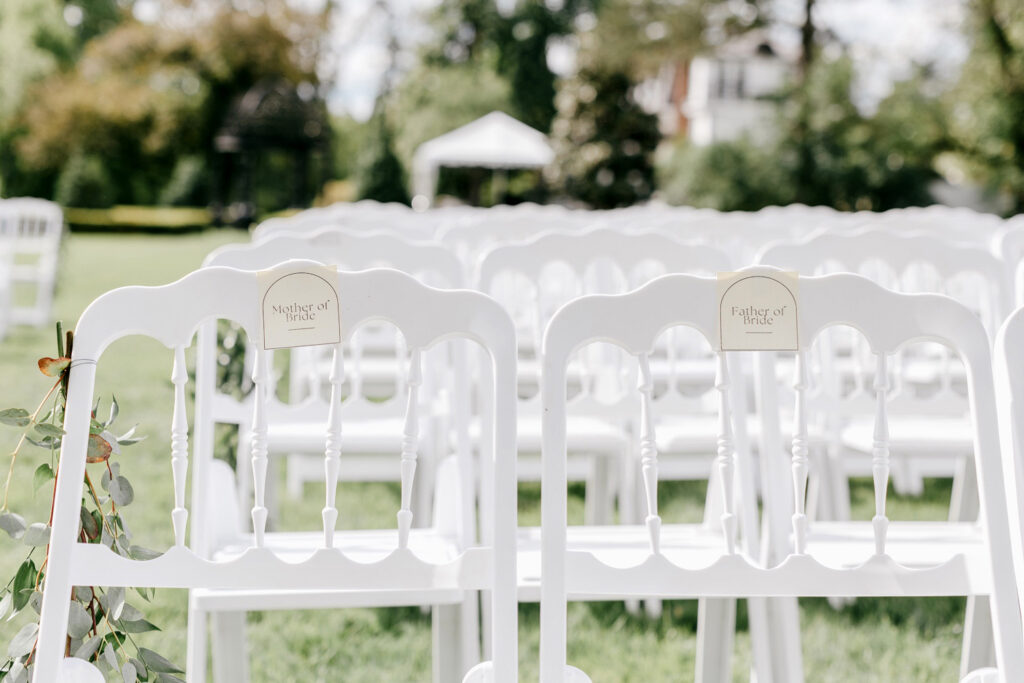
pixel 760 639
pixel 446 630
pixel 716 628
pixel 979 640
pixel 195 659
pixel 784 633
pixel 597 506
pixel 230 652
pixel 963 503
pixel 469 634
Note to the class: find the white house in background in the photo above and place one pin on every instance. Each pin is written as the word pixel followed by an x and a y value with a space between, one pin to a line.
pixel 720 95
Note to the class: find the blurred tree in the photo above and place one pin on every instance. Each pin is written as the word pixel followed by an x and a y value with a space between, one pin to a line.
pixel 516 43
pixel 34 42
pixel 603 140
pixel 728 176
pixel 143 95
pixel 381 175
pixel 843 158
pixel 988 102
pixel 435 99
pixel 90 18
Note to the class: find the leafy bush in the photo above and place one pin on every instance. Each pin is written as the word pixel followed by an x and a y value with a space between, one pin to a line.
pixel 604 141
pixel 85 182
pixel 729 176
pixel 189 184
pixel 381 174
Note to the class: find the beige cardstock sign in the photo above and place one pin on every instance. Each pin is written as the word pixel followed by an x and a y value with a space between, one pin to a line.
pixel 758 311
pixel 299 306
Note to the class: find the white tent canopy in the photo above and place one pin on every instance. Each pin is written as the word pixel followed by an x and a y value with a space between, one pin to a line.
pixel 493 141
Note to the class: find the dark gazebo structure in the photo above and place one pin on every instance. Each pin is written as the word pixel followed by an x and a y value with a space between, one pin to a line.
pixel 273 115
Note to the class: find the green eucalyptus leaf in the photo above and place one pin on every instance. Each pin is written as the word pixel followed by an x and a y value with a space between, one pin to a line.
pixel 128 673
pixel 35 601
pixel 140 669
pixel 140 626
pixel 145 592
pixel 121 491
pixel 90 526
pixel 105 480
pixel 13 524
pixel 16 417
pixel 79 621
pixel 137 552
pixel 17 674
pixel 156 663
pixel 114 410
pixel 47 429
pixel 23 641
pixel 129 613
pixel 24 582
pixel 49 443
pixel 87 649
pixel 37 534
pixel 110 651
pixel 82 594
pixel 42 476
pixel 167 678
pixel 114 602
pixel 6 604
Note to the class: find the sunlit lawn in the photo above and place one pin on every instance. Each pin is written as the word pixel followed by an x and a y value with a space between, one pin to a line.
pixel 872 640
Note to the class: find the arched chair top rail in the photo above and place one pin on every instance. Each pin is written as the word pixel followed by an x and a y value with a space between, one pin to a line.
pixel 580 249
pixel 354 249
pixel 378 294
pixel 635 320
pixel 897 249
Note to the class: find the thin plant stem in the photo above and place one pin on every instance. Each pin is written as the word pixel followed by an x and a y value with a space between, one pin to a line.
pixel 21 442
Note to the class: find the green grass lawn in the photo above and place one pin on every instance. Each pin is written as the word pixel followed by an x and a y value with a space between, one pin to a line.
pixel 872 640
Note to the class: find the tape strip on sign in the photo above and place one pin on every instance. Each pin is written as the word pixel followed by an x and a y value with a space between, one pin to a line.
pixel 758 311
pixel 299 306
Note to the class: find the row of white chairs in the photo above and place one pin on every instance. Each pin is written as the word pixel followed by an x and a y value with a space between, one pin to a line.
pixel 30 236
pixel 435 566
pixel 584 249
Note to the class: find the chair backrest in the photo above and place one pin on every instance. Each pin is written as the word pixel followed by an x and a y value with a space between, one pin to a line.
pixel 1009 372
pixel 556 267
pixel 888 320
pixel 900 254
pixel 362 215
pixel 31 220
pixel 429 261
pixel 171 314
pixel 1008 245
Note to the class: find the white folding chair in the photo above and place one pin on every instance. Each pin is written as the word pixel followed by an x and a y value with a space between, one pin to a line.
pixel 324 568
pixel 375 371
pixel 875 558
pixel 930 434
pixel 33 227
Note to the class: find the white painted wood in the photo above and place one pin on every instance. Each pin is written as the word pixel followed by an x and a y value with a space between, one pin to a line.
pixel 363 567
pixel 837 559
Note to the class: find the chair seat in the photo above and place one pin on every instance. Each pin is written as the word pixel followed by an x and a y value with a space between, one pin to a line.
pixel 914 435
pixel 698 434
pixel 382 435
pixel 915 545
pixel 583 435
pixel 618 546
pixel 363 546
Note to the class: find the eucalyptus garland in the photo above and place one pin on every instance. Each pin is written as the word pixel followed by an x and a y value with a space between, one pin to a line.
pixel 103 623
